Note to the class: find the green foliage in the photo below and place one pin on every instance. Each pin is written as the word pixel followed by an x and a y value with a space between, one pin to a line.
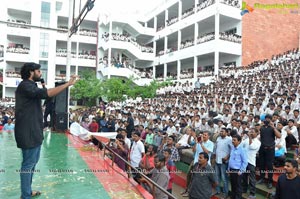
pixel 89 88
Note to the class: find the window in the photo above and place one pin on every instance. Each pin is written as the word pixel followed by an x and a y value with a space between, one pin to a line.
pixel 45 14
pixel 44 45
pixel 44 69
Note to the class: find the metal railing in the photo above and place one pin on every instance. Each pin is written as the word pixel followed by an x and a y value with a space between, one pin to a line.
pixel 155 185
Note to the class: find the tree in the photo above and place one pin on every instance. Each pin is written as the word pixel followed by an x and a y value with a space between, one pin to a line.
pixel 87 89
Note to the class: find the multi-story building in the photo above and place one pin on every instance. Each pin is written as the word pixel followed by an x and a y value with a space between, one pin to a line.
pixel 36 31
pixel 177 40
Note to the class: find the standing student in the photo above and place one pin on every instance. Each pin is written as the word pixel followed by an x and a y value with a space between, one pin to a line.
pixel 288 183
pixel 253 148
pixel 268 132
pixel 203 178
pixel 237 166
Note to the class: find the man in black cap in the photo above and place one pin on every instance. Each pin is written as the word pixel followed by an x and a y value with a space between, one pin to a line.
pixel 267 149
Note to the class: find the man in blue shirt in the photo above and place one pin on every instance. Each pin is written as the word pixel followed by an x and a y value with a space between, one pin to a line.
pixel 237 165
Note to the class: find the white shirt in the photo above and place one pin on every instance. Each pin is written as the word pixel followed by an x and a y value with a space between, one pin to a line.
pixel 184 140
pixel 136 152
pixel 293 130
pixel 222 148
pixel 252 150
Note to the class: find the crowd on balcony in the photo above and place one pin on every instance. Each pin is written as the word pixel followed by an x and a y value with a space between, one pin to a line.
pixel 160 27
pixel 17 48
pixel 205 37
pixel 87 32
pixel 17 23
pixel 204 4
pixel 187 43
pixel 84 54
pixel 172 49
pixel 13 74
pixel 127 38
pixel 147 49
pixel 187 73
pixel 188 12
pixel 206 73
pixel 233 3
pixel 62 52
pixel 83 32
pixel 172 20
pixel 231 37
pixel 60 76
pixel 143 72
pixel 161 52
pixel 63 29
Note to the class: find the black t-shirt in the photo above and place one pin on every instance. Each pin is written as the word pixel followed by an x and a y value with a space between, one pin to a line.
pixel 29 115
pixel 130 126
pixel 288 188
pixel 267 136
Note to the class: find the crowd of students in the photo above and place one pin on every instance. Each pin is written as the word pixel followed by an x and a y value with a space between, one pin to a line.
pixel 256 111
pixel 245 110
pixel 14 48
pixel 127 38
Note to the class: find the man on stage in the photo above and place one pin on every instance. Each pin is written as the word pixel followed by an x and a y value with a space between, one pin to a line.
pixel 29 121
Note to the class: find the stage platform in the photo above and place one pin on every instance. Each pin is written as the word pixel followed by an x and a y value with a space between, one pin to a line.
pixel 68 168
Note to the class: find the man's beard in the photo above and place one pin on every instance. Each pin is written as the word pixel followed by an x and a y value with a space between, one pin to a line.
pixel 36 78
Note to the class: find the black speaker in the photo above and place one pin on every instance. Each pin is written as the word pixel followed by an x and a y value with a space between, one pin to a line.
pixel 61 100
pixel 60 121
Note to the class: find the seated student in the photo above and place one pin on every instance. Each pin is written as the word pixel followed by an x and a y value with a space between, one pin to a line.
pixel 9 126
pixel 185 139
pixel 280 146
pixel 292 134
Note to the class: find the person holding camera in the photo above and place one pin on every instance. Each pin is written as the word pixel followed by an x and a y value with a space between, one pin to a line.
pixel 118 145
pixel 268 132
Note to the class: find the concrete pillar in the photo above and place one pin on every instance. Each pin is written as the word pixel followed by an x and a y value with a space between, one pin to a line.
pixel 178 69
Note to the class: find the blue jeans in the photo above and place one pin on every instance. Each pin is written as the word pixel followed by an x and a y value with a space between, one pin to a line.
pixel 221 176
pixel 30 159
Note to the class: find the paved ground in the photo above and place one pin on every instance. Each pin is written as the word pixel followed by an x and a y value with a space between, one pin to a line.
pixel 60 173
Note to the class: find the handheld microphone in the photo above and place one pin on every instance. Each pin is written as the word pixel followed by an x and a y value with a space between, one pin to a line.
pixel 43 82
